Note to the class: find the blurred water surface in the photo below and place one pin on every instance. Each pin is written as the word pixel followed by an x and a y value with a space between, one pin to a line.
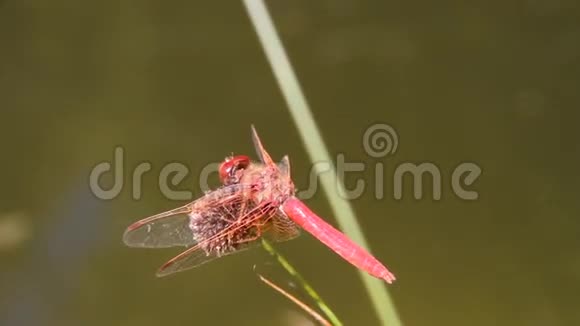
pixel 491 82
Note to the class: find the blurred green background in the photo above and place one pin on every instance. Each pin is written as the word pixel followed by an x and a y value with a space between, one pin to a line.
pixel 491 82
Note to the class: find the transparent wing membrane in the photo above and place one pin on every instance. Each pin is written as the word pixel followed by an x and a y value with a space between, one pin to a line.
pixel 283 229
pixel 168 229
pixel 277 228
pixel 262 154
pixel 172 228
pixel 194 257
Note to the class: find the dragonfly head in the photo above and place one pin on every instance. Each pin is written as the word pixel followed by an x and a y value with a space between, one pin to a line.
pixel 232 167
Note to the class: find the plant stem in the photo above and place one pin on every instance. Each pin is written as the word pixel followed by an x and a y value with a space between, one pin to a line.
pixel 317 150
pixel 307 288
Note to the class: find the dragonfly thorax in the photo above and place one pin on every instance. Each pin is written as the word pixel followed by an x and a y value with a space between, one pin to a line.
pixel 268 184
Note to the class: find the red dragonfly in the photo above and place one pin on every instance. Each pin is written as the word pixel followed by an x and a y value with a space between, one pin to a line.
pixel 256 200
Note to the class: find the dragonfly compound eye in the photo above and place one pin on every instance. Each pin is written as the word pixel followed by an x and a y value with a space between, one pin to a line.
pixel 231 169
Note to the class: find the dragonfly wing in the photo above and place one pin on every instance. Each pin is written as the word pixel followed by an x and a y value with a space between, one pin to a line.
pixel 172 228
pixel 264 156
pixel 167 229
pixel 194 257
pixel 282 229
pixel 284 166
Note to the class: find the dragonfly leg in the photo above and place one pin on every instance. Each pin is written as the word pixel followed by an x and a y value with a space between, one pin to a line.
pixel 254 237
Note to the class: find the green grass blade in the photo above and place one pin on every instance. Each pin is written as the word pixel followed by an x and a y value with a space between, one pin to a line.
pixel 316 149
pixel 305 285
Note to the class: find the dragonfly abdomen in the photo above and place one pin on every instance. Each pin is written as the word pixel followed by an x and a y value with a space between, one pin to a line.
pixel 335 240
